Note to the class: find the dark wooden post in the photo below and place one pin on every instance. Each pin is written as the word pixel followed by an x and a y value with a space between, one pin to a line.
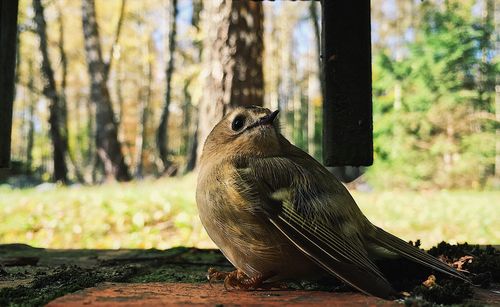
pixel 347 109
pixel 8 32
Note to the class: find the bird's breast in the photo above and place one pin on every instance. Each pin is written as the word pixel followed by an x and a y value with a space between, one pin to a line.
pixel 247 238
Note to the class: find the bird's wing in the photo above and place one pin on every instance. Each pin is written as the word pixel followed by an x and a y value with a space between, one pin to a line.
pixel 375 234
pixel 313 210
pixel 396 245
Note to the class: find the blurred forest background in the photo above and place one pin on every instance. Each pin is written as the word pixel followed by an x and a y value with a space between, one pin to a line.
pixel 127 90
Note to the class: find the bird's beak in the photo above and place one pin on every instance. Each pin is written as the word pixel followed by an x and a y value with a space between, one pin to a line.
pixel 266 120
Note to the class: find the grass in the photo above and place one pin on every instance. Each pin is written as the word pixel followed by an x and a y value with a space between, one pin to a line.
pixel 146 214
pixel 162 214
pixel 432 217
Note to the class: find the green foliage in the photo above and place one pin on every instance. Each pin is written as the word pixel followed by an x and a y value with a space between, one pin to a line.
pixel 434 70
pixel 433 120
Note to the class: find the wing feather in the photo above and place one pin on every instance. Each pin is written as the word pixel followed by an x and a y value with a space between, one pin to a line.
pixel 362 280
pixel 406 250
pixel 303 210
pixel 346 250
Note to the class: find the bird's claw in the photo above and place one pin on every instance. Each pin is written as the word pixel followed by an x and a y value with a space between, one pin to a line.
pixel 213 274
pixel 239 280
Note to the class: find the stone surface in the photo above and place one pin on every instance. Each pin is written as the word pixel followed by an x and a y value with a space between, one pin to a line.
pixel 158 294
pixel 35 276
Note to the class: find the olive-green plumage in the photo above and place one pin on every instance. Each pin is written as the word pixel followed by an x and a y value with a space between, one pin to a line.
pixel 275 211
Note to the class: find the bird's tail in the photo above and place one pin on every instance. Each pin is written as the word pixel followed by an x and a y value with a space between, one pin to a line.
pixel 404 249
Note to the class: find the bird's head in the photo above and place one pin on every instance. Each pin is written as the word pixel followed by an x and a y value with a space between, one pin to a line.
pixel 247 130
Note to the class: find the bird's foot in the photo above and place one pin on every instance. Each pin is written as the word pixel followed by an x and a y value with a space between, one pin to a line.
pixel 239 280
pixel 214 274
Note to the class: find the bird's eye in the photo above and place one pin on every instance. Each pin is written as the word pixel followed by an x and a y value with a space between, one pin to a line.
pixel 238 123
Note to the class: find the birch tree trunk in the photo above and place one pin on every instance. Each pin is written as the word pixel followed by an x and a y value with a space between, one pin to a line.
pixel 71 161
pixel 313 14
pixel 233 59
pixel 57 135
pixel 31 123
pixel 108 146
pixel 192 149
pixel 162 134
pixel 496 18
pixel 145 98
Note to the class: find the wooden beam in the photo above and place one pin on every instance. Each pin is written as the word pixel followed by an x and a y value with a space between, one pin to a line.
pixel 8 32
pixel 347 109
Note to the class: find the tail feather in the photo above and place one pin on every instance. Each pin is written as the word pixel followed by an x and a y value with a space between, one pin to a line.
pixel 398 246
pixel 363 279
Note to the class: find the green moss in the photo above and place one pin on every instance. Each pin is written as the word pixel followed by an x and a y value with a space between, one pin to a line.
pixel 62 280
pixel 87 268
pixel 45 288
pixel 174 273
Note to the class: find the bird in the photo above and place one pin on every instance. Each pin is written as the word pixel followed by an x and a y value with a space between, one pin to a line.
pixel 277 214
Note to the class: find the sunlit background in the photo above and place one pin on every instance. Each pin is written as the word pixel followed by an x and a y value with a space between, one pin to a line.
pixel 436 174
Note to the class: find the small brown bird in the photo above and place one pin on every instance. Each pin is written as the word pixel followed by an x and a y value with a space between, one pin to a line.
pixel 278 214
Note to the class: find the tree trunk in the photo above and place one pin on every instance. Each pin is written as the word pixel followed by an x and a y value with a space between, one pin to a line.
pixel 162 134
pixel 31 124
pixel 64 75
pixel 496 19
pixel 311 119
pixel 285 82
pixel 190 125
pixel 8 32
pixel 107 144
pixel 197 9
pixel 118 29
pixel 313 13
pixel 193 144
pixel 57 136
pixel 233 58
pixel 192 150
pixel 273 53
pixel 62 99
pixel 145 98
pixel 186 122
pixel 119 81
pixel 189 134
pixel 90 129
